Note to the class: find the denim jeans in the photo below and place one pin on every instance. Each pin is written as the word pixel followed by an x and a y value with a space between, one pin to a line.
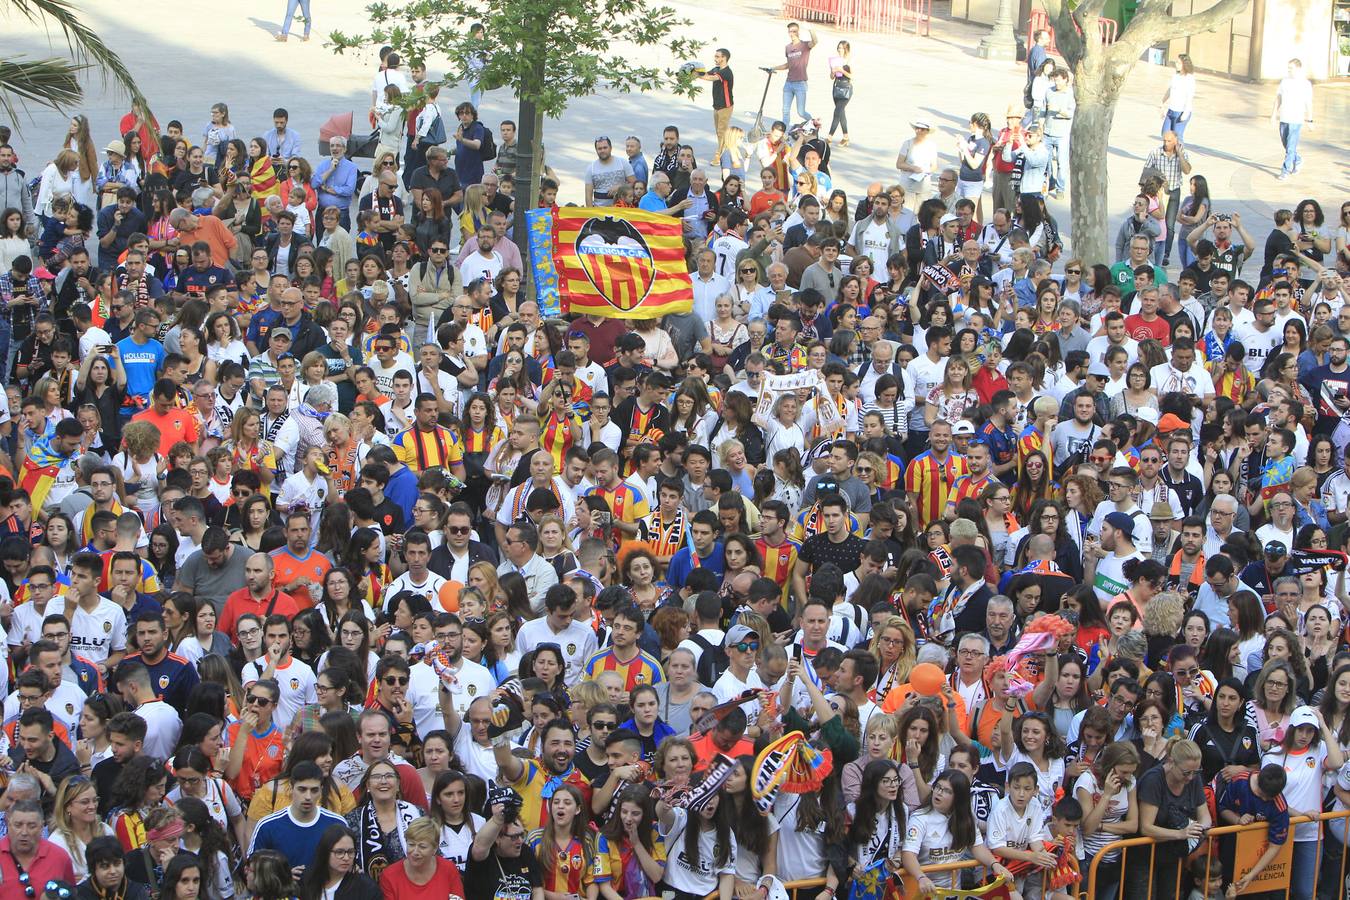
pixel 1059 161
pixel 1184 253
pixel 1289 133
pixel 290 14
pixel 1304 869
pixel 794 89
pixel 1174 122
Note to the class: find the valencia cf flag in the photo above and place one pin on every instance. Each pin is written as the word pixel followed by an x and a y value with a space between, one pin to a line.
pixel 621 263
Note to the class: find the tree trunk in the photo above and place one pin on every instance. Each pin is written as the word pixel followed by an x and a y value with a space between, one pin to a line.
pixel 529 140
pixel 529 166
pixel 1096 91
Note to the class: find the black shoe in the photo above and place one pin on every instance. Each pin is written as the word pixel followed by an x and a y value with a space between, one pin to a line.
pixel 1167 261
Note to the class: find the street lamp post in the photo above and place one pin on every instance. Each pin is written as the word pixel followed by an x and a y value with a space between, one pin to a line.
pixel 1000 43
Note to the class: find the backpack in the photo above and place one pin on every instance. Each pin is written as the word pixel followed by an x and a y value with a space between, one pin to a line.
pixel 712 662
pixel 488 149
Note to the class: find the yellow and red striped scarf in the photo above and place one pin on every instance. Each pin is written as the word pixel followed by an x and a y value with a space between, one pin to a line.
pixel 665 538
pixel 524 493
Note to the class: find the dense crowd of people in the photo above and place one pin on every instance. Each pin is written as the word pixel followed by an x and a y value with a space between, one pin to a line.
pixel 332 568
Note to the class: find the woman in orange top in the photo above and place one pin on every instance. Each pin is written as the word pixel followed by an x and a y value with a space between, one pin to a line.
pixel 985 718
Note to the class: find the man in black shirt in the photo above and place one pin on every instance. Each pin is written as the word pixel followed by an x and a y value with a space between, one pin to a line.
pixel 500 864
pixel 836 544
pixel 722 92
pixel 388 514
pixel 437 174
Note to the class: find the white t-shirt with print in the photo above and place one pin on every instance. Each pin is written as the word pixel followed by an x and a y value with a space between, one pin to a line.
pixel 297 687
pixel 98 634
pixel 929 837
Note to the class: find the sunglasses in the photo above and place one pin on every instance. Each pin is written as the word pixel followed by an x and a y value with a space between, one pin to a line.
pixel 746 646
pixel 394 681
pixel 607 726
pixel 255 700
pixel 458 529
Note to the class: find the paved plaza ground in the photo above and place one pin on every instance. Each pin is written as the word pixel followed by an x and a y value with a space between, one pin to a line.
pixel 186 58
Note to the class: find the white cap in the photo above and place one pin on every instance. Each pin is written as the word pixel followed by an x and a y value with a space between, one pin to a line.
pixel 947 218
pixel 1303 715
pixel 1147 414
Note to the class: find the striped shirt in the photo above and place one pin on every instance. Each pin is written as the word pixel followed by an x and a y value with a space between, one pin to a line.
pixel 969 486
pixel 932 481
pixel 625 502
pixel 779 562
pixel 641 669
pixel 421 450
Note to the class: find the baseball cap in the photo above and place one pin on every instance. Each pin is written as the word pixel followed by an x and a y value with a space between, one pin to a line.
pixel 1122 522
pixel 738 633
pixel 921 123
pixel 1303 715
pixel 1171 422
pixel 1276 549
pixel 965 426
pixel 1098 369
pixel 1147 414
pixel 947 218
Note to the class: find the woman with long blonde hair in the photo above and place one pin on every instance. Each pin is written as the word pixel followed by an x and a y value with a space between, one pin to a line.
pixel 894 647
pixel 554 545
pixel 483 576
pixel 75 821
pixel 732 152
pixel 249 450
pixel 476 210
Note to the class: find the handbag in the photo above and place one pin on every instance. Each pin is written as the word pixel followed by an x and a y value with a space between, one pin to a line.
pixel 842 88
pixel 436 133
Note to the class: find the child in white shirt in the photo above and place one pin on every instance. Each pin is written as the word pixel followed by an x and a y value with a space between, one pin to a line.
pixel 296 206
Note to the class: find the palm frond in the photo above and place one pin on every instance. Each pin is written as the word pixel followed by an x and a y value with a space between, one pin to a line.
pixel 85 45
pixel 47 82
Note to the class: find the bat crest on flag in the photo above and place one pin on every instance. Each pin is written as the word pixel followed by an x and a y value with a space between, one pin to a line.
pixel 620 263
pixel 615 257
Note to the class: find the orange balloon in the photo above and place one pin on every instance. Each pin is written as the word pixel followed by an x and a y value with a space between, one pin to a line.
pixel 926 678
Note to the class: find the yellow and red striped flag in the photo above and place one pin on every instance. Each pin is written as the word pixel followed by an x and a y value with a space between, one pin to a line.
pixel 621 263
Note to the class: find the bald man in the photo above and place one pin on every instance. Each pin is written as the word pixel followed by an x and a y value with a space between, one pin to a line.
pixel 257 596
